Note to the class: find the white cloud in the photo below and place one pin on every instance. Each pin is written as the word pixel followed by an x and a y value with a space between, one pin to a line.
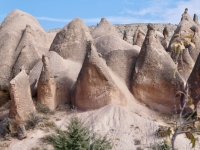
pixel 52 19
pixel 166 11
pixel 154 11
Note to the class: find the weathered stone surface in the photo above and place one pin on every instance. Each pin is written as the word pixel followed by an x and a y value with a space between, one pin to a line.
pixel 94 87
pixel 123 64
pixel 70 42
pixel 20 45
pixel 21 101
pixel 187 27
pixel 104 28
pixel 165 40
pixel 108 43
pixel 125 36
pixel 139 37
pixel 195 19
pixel 65 73
pixel 153 82
pixel 47 86
pixel 193 82
pixel 188 64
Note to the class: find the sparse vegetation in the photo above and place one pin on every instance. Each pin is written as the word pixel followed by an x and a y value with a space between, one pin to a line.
pixel 33 120
pixel 161 146
pixel 42 108
pixel 78 137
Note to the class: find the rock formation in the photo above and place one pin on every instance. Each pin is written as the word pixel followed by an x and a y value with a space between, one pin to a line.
pixel 64 71
pixel 123 64
pixel 18 45
pixel 108 43
pixel 187 27
pixel 125 36
pixel 153 82
pixel 21 101
pixel 195 19
pixel 165 41
pixel 94 87
pixel 104 28
pixel 139 37
pixel 47 86
pixel 193 82
pixel 70 42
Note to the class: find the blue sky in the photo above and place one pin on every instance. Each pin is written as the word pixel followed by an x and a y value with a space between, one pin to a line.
pixel 57 13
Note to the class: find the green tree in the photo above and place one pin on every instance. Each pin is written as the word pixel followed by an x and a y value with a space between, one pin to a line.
pixel 78 137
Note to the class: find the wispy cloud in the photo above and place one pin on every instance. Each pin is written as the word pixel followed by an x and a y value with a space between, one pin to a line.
pixel 165 11
pixel 53 19
pixel 154 11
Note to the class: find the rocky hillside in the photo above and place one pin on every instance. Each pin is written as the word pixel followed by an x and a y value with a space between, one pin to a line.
pixel 130 29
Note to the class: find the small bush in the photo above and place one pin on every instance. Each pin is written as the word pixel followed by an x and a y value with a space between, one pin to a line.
pixel 33 120
pixel 42 108
pixel 161 146
pixel 78 137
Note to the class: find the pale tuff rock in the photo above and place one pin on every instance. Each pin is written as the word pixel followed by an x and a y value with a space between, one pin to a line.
pixel 47 86
pixel 65 73
pixel 20 45
pixel 195 19
pixel 94 87
pixel 71 41
pixel 123 64
pixel 125 36
pixel 165 40
pixel 104 28
pixel 153 82
pixel 139 36
pixel 187 27
pixel 21 101
pixel 108 43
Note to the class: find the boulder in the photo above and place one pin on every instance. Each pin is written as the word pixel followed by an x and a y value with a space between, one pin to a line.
pixel 70 42
pixel 123 63
pixel 108 43
pixel 104 28
pixel 153 82
pixel 139 36
pixel 95 87
pixel 193 82
pixel 21 100
pixel 46 94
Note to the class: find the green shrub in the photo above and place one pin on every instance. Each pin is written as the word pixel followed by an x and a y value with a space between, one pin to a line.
pixel 161 146
pixel 33 120
pixel 42 108
pixel 78 137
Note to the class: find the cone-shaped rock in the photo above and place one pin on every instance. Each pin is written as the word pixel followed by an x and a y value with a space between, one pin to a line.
pixel 188 64
pixel 94 87
pixel 21 100
pixel 153 82
pixel 70 42
pixel 123 64
pixel 108 43
pixel 16 42
pixel 47 86
pixel 195 19
pixel 193 82
pixel 104 28
pixel 64 71
pixel 187 27
pixel 139 36
pixel 28 53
